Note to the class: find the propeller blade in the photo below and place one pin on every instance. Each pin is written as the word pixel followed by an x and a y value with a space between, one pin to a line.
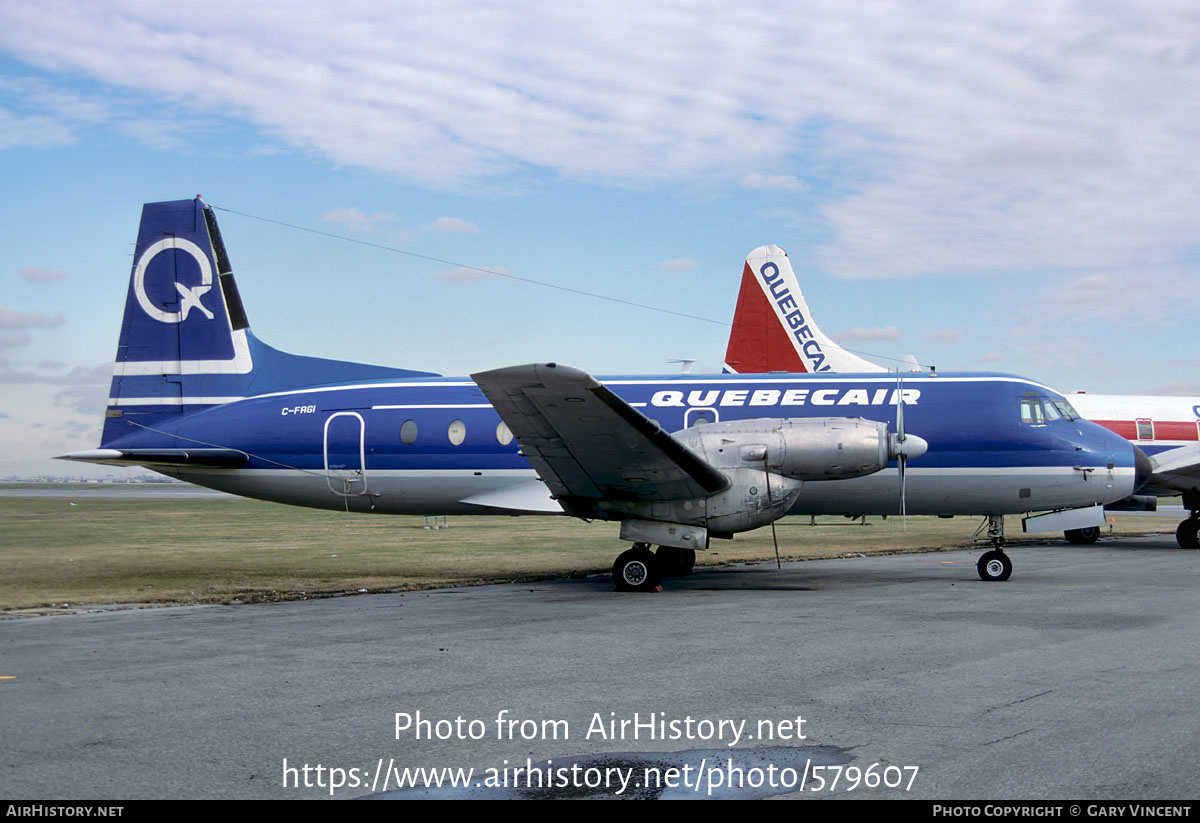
pixel 771 504
pixel 901 459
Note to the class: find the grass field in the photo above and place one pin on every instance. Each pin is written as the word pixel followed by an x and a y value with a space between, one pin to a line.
pixel 90 550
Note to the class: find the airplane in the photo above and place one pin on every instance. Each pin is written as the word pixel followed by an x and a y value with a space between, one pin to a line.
pixel 773 330
pixel 677 460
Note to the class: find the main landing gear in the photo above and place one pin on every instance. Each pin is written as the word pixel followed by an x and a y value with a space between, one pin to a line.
pixel 673 562
pixel 1080 536
pixel 1188 533
pixel 636 570
pixel 995 565
pixel 640 570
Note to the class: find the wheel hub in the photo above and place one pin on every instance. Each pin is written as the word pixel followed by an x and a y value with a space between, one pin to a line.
pixel 635 573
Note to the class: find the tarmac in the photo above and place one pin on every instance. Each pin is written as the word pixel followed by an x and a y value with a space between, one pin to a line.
pixel 904 675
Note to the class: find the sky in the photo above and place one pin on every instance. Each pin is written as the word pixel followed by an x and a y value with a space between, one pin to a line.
pixel 983 190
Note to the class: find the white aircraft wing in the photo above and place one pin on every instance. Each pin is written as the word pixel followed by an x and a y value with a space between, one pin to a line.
pixel 1176 469
pixel 590 445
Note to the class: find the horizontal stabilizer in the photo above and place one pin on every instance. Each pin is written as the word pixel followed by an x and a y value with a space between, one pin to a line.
pixel 217 458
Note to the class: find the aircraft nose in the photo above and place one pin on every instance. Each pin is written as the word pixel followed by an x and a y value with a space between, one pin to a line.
pixel 1141 468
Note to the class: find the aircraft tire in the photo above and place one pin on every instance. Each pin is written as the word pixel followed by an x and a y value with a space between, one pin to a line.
pixel 635 570
pixel 994 566
pixel 673 562
pixel 1080 536
pixel 1188 534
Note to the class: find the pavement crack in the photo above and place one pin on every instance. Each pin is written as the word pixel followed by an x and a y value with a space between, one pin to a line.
pixel 1009 737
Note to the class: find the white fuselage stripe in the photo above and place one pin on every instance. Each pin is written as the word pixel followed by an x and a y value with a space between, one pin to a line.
pixel 172 401
pixel 438 406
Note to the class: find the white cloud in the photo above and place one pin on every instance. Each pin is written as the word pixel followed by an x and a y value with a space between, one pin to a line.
pixel 1097 288
pixel 36 131
pixel 11 320
pixel 878 333
pixel 37 274
pixel 782 182
pixel 454 225
pixel 935 137
pixel 356 220
pixel 13 339
pixel 678 265
pixel 1184 389
pixel 77 376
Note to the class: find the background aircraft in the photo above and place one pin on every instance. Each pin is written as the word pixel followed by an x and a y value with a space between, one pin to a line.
pixel 773 330
pixel 195 395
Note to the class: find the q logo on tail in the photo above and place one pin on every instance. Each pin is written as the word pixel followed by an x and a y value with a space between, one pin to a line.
pixel 190 295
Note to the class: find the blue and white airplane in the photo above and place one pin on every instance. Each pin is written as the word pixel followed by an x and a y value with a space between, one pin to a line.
pixel 774 331
pixel 678 460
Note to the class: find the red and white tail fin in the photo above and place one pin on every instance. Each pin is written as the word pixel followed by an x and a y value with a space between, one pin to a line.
pixel 773 329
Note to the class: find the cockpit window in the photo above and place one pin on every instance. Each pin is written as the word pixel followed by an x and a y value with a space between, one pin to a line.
pixel 1038 411
pixel 1066 409
pixel 1031 411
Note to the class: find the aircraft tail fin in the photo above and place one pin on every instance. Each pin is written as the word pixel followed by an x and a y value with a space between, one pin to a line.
pixel 773 329
pixel 185 339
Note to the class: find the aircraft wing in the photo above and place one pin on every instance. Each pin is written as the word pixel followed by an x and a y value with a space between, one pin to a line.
pixel 219 458
pixel 590 445
pixel 1176 469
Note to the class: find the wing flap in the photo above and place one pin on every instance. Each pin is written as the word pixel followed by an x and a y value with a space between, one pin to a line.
pixel 524 498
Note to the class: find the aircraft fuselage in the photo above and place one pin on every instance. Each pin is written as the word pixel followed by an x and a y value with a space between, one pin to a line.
pixel 426 445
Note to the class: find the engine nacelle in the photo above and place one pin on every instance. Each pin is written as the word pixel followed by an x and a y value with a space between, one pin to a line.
pixel 767 461
pixel 821 448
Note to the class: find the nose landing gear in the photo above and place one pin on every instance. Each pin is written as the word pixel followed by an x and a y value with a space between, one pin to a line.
pixel 995 565
pixel 1188 533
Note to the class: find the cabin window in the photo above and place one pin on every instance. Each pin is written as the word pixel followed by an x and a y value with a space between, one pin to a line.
pixel 699 417
pixel 1145 429
pixel 504 434
pixel 457 432
pixel 408 432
